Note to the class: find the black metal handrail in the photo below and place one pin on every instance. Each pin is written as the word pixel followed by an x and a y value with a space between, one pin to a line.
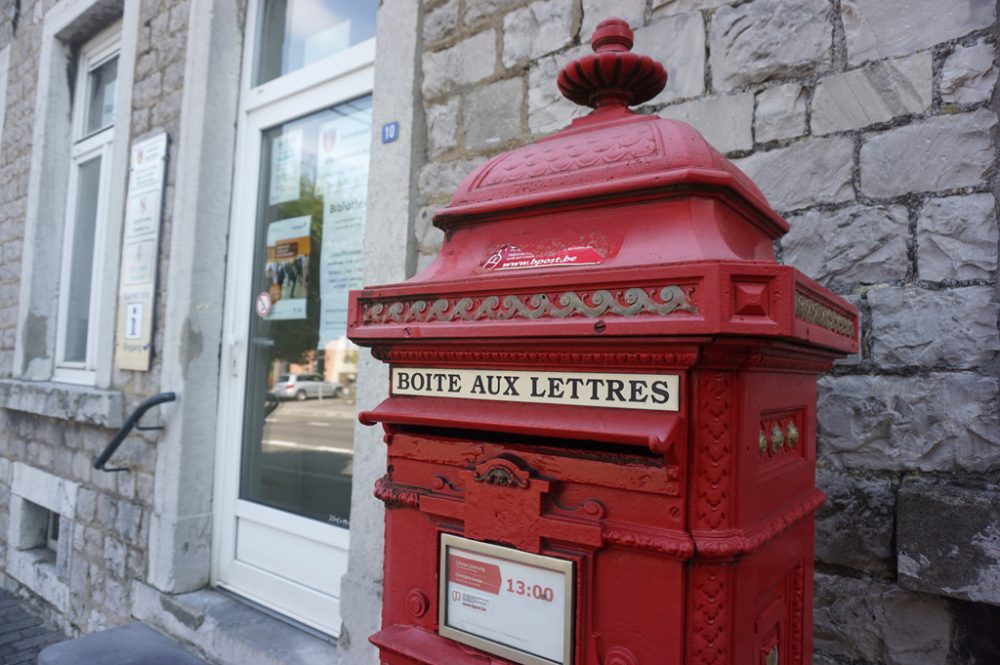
pixel 130 424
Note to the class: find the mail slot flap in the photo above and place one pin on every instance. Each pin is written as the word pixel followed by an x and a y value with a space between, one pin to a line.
pixel 657 430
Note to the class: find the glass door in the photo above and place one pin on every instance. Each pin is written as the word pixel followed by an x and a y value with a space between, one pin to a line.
pixel 287 409
pixel 297 445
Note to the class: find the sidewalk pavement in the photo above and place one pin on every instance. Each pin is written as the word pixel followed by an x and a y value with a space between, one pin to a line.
pixel 22 634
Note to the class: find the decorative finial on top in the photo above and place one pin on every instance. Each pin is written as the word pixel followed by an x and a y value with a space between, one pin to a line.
pixel 613 75
pixel 611 35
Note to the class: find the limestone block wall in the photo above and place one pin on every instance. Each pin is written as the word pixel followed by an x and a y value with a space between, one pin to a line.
pixel 872 126
pixel 60 432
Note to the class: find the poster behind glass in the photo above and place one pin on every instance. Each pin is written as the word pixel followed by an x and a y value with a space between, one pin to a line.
pixel 299 413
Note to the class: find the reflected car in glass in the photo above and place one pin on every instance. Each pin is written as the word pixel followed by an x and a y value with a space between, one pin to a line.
pixel 305 386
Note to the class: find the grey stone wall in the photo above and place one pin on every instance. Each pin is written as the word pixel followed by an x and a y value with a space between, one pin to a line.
pixel 24 39
pixel 23 34
pixel 871 125
pixel 109 529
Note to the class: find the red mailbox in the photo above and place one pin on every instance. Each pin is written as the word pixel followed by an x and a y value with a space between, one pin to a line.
pixel 601 423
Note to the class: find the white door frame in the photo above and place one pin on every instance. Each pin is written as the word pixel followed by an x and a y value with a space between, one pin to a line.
pixel 338 78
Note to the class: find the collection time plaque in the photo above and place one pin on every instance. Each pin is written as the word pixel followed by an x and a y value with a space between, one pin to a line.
pixel 513 604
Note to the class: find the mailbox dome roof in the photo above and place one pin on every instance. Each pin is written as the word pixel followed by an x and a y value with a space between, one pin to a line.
pixel 610 152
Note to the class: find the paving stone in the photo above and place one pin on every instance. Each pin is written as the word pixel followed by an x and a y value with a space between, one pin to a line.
pixel 725 120
pixel 915 327
pixel 969 74
pixel 877 29
pixel 22 634
pixel 874 94
pixel 949 539
pixel 679 43
pixel 805 173
pixel 764 39
pixel 469 61
pixel 873 622
pixel 492 114
pixel 855 527
pixel 540 28
pixel 125 645
pixel 548 110
pixel 780 113
pixel 957 238
pixel 937 422
pixel 941 153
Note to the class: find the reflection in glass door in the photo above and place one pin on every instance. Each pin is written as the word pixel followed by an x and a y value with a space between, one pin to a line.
pixel 298 445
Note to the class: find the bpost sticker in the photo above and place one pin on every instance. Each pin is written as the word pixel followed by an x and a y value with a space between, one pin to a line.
pixel 510 257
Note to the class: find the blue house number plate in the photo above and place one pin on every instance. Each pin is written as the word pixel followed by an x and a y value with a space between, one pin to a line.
pixel 390 132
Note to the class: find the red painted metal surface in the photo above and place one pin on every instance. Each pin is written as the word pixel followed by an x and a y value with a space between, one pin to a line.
pixel 623 244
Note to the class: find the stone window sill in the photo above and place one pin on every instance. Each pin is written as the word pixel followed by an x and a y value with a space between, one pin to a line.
pixel 36 569
pixel 228 630
pixel 81 404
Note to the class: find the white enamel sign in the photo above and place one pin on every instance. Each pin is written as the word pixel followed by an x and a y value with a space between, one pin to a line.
pixel 140 251
pixel 649 392
pixel 506 602
pixel 342 176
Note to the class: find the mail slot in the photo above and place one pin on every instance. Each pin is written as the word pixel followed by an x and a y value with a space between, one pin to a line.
pixel 601 422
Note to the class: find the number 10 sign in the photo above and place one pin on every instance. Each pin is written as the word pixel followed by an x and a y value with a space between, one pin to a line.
pixel 506 602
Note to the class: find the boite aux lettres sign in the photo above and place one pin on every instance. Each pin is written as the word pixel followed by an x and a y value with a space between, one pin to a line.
pixel 649 392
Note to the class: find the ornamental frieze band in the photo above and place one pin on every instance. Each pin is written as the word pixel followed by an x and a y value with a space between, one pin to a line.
pixel 818 314
pixel 656 301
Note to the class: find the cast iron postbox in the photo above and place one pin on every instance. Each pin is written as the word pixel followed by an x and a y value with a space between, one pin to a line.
pixel 601 422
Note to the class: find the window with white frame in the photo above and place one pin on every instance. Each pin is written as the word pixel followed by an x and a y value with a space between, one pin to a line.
pixel 81 292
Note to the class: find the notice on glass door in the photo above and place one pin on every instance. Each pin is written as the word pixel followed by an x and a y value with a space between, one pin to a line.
pixel 286 168
pixel 342 176
pixel 140 251
pixel 343 152
pixel 341 264
pixel 286 267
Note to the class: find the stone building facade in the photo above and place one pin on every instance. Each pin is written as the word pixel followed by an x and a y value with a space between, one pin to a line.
pixel 871 125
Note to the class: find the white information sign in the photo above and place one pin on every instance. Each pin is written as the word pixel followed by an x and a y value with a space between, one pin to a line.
pixel 140 251
pixel 286 168
pixel 342 176
pixel 648 392
pixel 506 602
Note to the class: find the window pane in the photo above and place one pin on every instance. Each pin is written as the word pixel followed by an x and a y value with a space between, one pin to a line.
pixel 296 33
pixel 100 108
pixel 81 261
pixel 298 440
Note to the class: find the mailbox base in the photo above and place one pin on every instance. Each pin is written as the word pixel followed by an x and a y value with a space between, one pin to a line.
pixel 409 645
